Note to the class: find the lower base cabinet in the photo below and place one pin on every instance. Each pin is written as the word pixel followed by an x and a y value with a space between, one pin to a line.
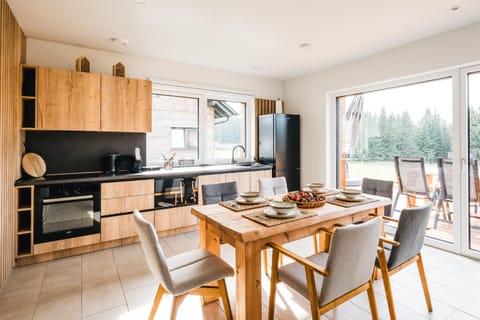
pixel 180 217
pixel 118 227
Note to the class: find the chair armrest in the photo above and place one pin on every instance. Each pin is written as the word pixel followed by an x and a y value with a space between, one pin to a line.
pixel 297 258
pixel 384 217
pixel 330 230
pixel 389 241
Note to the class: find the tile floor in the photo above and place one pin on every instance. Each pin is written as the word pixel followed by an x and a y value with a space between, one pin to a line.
pixel 116 284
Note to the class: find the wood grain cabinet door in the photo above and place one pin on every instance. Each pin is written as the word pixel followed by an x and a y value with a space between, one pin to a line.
pixel 126 104
pixel 68 100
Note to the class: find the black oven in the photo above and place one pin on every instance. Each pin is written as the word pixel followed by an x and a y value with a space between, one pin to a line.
pixel 65 211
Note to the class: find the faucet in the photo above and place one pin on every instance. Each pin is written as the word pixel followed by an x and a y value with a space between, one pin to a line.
pixel 233 152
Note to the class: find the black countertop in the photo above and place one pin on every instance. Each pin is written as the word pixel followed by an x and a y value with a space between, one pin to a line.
pixel 175 172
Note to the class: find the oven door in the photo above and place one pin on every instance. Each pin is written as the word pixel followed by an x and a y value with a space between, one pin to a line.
pixel 66 217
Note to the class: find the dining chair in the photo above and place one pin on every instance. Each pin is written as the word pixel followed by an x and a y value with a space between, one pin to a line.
pixel 382 188
pixel 411 179
pixel 218 192
pixel 190 272
pixel 269 187
pixel 394 255
pixel 445 196
pixel 329 279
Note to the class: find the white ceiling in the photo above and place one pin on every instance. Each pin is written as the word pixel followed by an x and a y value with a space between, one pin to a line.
pixel 257 37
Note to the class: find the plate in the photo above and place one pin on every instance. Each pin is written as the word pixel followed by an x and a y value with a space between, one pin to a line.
pixel 356 199
pixel 321 191
pixel 272 214
pixel 245 201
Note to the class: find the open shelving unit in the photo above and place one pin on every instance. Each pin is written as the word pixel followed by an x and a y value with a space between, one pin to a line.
pixel 29 101
pixel 24 221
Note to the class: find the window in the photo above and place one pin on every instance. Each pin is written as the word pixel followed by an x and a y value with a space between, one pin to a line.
pixel 198 124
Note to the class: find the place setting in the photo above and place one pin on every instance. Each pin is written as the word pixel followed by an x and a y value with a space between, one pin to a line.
pixel 349 198
pixel 319 188
pixel 245 201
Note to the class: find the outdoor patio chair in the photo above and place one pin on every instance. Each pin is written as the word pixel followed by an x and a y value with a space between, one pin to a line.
pixel 412 180
pixel 329 279
pixel 190 272
pixel 394 255
pixel 382 188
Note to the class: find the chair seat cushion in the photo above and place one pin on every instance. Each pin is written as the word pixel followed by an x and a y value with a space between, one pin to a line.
pixel 293 274
pixel 195 268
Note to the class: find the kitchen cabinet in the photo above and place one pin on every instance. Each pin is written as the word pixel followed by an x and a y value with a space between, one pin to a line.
pixel 123 226
pixel 126 196
pixel 67 100
pixel 57 99
pixel 174 218
pixel 24 221
pixel 126 104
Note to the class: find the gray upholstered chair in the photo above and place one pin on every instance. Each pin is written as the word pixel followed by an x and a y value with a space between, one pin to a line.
pixel 186 273
pixel 217 192
pixel 272 186
pixel 329 279
pixel 382 188
pixel 404 250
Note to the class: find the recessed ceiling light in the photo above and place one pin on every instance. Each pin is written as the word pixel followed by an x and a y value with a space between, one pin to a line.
pixel 255 67
pixel 119 41
pixel 140 1
pixel 454 8
pixel 305 46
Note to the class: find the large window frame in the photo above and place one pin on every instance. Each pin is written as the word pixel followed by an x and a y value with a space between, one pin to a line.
pixel 203 94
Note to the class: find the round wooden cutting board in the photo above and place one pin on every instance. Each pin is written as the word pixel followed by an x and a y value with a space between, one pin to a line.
pixel 33 165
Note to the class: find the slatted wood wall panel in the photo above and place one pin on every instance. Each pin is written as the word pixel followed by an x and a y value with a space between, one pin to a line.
pixel 12 46
pixel 262 106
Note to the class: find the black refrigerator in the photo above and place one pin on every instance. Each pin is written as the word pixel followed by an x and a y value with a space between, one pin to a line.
pixel 279 146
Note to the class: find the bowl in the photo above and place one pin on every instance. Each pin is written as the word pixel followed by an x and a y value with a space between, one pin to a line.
pixel 282 207
pixel 351 193
pixel 250 195
pixel 315 186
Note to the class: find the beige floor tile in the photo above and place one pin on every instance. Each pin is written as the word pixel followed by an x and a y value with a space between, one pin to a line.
pixel 125 254
pixel 27 276
pixel 459 315
pixel 18 303
pixel 60 308
pixel 139 301
pixel 117 313
pixel 101 294
pixel 98 265
pixel 64 265
pixel 132 267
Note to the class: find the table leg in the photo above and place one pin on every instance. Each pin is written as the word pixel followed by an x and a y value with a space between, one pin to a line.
pixel 211 242
pixel 249 283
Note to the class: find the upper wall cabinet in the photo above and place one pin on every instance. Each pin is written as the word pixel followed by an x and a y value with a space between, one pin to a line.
pixel 126 104
pixel 56 99
pixel 68 100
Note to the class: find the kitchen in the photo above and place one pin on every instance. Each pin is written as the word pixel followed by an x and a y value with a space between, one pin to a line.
pixel 302 96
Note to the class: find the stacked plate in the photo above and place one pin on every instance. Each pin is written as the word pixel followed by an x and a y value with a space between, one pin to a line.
pixel 250 197
pixel 351 195
pixel 281 209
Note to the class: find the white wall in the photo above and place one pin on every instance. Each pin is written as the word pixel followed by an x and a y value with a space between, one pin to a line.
pixel 309 95
pixel 52 54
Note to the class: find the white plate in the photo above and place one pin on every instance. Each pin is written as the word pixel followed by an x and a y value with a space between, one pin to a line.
pixel 245 201
pixel 322 191
pixel 272 214
pixel 343 198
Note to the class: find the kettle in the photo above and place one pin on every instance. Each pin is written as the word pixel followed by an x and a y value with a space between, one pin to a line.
pixel 112 162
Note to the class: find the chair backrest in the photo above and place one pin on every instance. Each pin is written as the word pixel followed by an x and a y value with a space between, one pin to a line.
pixel 474 183
pixel 350 263
pixel 154 255
pixel 411 229
pixel 411 175
pixel 445 175
pixel 218 192
pixel 271 186
pixel 382 188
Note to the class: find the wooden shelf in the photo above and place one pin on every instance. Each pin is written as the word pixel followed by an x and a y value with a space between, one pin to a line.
pixel 24 221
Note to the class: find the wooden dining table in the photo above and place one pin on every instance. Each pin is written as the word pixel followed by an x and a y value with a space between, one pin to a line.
pixel 249 238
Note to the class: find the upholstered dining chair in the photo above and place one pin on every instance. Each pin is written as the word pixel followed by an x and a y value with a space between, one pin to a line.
pixel 382 188
pixel 187 273
pixel 329 279
pixel 270 187
pixel 404 249
pixel 217 192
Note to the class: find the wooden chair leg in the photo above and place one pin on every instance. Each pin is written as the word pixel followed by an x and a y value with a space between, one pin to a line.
pixel 224 295
pixel 312 294
pixel 156 302
pixel 265 261
pixel 177 301
pixel 386 283
pixel 315 243
pixel 273 285
pixel 371 300
pixel 423 278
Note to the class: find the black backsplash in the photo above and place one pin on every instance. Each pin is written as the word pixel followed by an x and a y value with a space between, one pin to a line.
pixel 67 151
